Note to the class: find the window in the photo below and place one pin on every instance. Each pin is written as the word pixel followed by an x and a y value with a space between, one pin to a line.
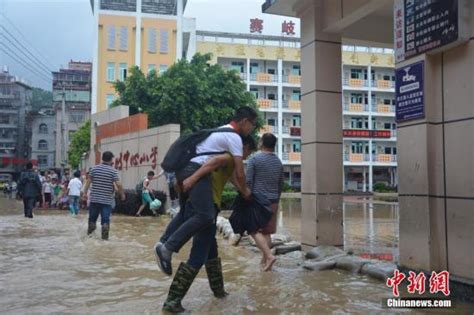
pixel 387 101
pixel 356 98
pixel 271 122
pixel 296 70
pixel 296 120
pixel 387 126
pixel 109 100
pixel 123 38
pixel 111 37
pixel 163 68
pixel 152 40
pixel 237 66
pixel 253 67
pixel 43 128
pixel 254 91
pixel 42 160
pixel 358 147
pixel 386 77
pixel 77 117
pixel 110 71
pixel 271 96
pixel 297 146
pixel 388 150
pixel 271 71
pixel 356 74
pixel 296 96
pixel 359 123
pixel 4 119
pixel 163 41
pixel 151 68
pixel 42 145
pixel 123 71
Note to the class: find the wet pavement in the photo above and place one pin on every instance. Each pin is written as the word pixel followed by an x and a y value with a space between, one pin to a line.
pixel 49 265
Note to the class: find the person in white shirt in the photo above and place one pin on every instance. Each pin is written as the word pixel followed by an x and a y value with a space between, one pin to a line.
pixel 199 211
pixel 74 193
pixel 47 193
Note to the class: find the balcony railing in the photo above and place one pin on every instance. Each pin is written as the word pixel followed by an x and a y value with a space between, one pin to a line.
pixel 291 156
pixel 355 82
pixel 286 130
pixel 383 108
pixel 355 107
pixel 294 105
pixel 267 104
pixel 243 76
pixel 295 131
pixel 269 129
pixel 265 78
pixel 356 157
pixel 292 79
pixel 383 84
pixel 387 158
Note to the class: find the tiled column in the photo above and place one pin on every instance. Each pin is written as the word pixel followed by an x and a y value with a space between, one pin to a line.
pixel 321 115
pixel 436 168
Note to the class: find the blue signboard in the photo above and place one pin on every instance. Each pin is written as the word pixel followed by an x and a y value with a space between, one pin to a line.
pixel 409 92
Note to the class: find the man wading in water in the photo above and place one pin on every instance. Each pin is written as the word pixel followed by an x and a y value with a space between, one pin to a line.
pixel 199 211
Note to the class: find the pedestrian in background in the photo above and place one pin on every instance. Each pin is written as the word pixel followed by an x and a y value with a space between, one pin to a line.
pixel 103 180
pixel 74 193
pixel 29 189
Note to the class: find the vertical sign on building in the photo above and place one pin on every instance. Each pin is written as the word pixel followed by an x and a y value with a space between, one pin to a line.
pixel 422 26
pixel 409 94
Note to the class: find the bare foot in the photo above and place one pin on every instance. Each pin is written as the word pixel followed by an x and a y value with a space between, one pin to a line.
pixel 269 263
pixel 262 261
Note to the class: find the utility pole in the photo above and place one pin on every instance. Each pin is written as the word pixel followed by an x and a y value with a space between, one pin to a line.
pixel 63 132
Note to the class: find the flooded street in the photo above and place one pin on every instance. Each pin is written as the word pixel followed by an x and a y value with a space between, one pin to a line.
pixel 49 265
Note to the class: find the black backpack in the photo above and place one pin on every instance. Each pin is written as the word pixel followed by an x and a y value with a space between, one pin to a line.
pixel 184 149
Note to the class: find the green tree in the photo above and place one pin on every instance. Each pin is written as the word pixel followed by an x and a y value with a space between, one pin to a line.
pixel 80 143
pixel 194 94
pixel 41 99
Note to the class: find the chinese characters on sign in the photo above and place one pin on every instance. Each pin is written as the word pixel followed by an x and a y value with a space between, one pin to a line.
pixel 439 282
pixel 409 92
pixel 288 28
pixel 421 26
pixel 355 133
pixel 132 160
pixel 256 25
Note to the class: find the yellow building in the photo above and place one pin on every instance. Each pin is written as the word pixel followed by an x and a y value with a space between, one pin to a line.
pixel 150 34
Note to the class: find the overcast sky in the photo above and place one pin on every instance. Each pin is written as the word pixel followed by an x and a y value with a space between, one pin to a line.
pixel 56 31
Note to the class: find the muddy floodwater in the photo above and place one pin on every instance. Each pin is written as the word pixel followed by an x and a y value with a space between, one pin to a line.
pixel 49 265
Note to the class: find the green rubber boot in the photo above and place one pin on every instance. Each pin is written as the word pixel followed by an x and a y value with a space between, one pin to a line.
pixel 182 280
pixel 105 231
pixel 91 228
pixel 216 278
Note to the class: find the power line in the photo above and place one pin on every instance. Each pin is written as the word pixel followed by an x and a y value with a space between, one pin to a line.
pixel 33 71
pixel 24 38
pixel 33 63
pixel 37 62
pixel 17 57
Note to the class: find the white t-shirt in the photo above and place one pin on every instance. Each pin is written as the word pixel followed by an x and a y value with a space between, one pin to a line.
pixel 74 187
pixel 47 188
pixel 219 142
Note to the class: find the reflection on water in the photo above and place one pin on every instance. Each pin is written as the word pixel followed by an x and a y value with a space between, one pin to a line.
pixel 49 265
pixel 370 228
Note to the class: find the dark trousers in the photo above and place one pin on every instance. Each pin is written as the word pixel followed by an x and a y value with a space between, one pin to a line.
pixel 204 245
pixel 28 205
pixel 97 208
pixel 196 214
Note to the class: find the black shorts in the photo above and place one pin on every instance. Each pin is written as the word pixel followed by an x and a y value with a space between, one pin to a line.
pixel 47 197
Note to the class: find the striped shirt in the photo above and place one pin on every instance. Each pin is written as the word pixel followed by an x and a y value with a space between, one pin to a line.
pixel 103 178
pixel 265 175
